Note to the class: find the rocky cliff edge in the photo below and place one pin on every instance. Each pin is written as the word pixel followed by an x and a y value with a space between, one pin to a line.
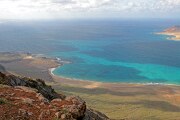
pixel 27 99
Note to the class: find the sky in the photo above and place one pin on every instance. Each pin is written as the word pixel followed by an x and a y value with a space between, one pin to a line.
pixel 72 9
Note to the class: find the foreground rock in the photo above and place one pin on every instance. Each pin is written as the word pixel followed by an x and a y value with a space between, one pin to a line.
pixel 94 115
pixel 38 84
pixel 27 99
pixel 22 103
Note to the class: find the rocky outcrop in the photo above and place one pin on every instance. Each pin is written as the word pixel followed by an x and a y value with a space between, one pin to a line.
pixel 91 114
pixel 38 84
pixel 27 99
pixel 22 103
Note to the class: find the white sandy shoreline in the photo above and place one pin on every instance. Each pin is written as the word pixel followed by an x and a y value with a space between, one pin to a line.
pixel 170 36
pixel 51 71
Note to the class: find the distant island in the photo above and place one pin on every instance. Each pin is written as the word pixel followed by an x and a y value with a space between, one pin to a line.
pixel 173 31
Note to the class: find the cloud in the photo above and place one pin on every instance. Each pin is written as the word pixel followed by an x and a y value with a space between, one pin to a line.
pixel 26 9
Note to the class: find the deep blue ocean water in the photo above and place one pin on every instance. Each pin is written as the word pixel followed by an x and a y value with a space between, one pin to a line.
pixel 106 51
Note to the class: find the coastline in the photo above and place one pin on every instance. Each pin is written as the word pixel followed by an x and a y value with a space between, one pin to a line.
pixel 172 36
pixel 74 82
pixel 58 78
pixel 172 32
pixel 51 71
pixel 41 63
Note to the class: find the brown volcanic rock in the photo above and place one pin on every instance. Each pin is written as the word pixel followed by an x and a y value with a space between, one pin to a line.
pixel 20 104
pixel 94 115
pixel 27 99
pixel 38 84
pixel 71 108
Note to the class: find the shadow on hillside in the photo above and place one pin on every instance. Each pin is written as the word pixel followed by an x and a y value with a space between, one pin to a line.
pixel 159 105
pixel 98 91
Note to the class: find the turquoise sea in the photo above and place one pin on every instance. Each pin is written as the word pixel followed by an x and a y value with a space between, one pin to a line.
pixel 125 51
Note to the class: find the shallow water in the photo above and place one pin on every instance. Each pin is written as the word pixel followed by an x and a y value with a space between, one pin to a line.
pixel 108 51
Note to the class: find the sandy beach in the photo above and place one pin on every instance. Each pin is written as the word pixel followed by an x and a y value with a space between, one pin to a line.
pixel 173 32
pixel 117 100
pixel 173 36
